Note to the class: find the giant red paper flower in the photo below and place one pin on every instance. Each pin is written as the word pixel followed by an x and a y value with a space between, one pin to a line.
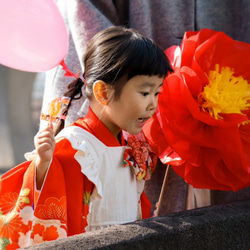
pixel 204 111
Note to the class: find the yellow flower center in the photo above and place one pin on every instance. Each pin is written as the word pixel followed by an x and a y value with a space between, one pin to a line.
pixel 225 93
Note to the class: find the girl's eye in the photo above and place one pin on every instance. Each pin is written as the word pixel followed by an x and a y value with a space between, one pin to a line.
pixel 158 93
pixel 144 93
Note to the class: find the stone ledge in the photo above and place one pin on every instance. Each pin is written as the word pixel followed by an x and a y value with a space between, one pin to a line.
pixel 215 227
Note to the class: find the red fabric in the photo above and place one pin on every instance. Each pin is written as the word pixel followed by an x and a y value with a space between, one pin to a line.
pixel 145 206
pixel 63 204
pixel 66 69
pixel 17 175
pixel 215 152
pixel 74 182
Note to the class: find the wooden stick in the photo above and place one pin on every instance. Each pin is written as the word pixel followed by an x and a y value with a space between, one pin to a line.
pixel 162 191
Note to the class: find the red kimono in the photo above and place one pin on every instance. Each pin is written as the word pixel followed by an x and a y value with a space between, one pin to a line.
pixel 60 209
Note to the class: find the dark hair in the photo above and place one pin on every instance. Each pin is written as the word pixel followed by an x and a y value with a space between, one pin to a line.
pixel 115 55
pixel 117 52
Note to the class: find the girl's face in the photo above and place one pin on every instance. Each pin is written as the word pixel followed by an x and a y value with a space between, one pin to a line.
pixel 136 104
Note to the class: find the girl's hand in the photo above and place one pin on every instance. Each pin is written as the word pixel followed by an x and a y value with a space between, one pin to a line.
pixel 45 146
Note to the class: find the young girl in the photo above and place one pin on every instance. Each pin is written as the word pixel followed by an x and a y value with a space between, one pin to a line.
pixel 90 176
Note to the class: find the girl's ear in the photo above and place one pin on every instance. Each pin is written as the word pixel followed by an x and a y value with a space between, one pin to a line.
pixel 100 89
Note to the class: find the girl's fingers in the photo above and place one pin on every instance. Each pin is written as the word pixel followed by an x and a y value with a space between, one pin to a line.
pixel 47 132
pixel 44 137
pixel 45 140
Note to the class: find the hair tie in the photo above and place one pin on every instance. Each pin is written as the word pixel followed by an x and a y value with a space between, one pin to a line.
pixel 80 76
pixel 70 73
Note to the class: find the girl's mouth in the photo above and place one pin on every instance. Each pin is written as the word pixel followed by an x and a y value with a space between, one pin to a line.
pixel 141 121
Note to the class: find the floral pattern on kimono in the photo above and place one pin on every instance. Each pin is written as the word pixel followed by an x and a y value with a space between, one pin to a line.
pixel 59 209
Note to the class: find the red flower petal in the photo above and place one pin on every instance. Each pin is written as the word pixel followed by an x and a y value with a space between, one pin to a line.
pixel 215 151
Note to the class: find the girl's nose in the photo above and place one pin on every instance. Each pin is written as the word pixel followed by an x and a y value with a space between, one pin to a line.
pixel 153 103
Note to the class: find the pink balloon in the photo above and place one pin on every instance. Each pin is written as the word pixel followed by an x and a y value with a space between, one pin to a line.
pixel 33 35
